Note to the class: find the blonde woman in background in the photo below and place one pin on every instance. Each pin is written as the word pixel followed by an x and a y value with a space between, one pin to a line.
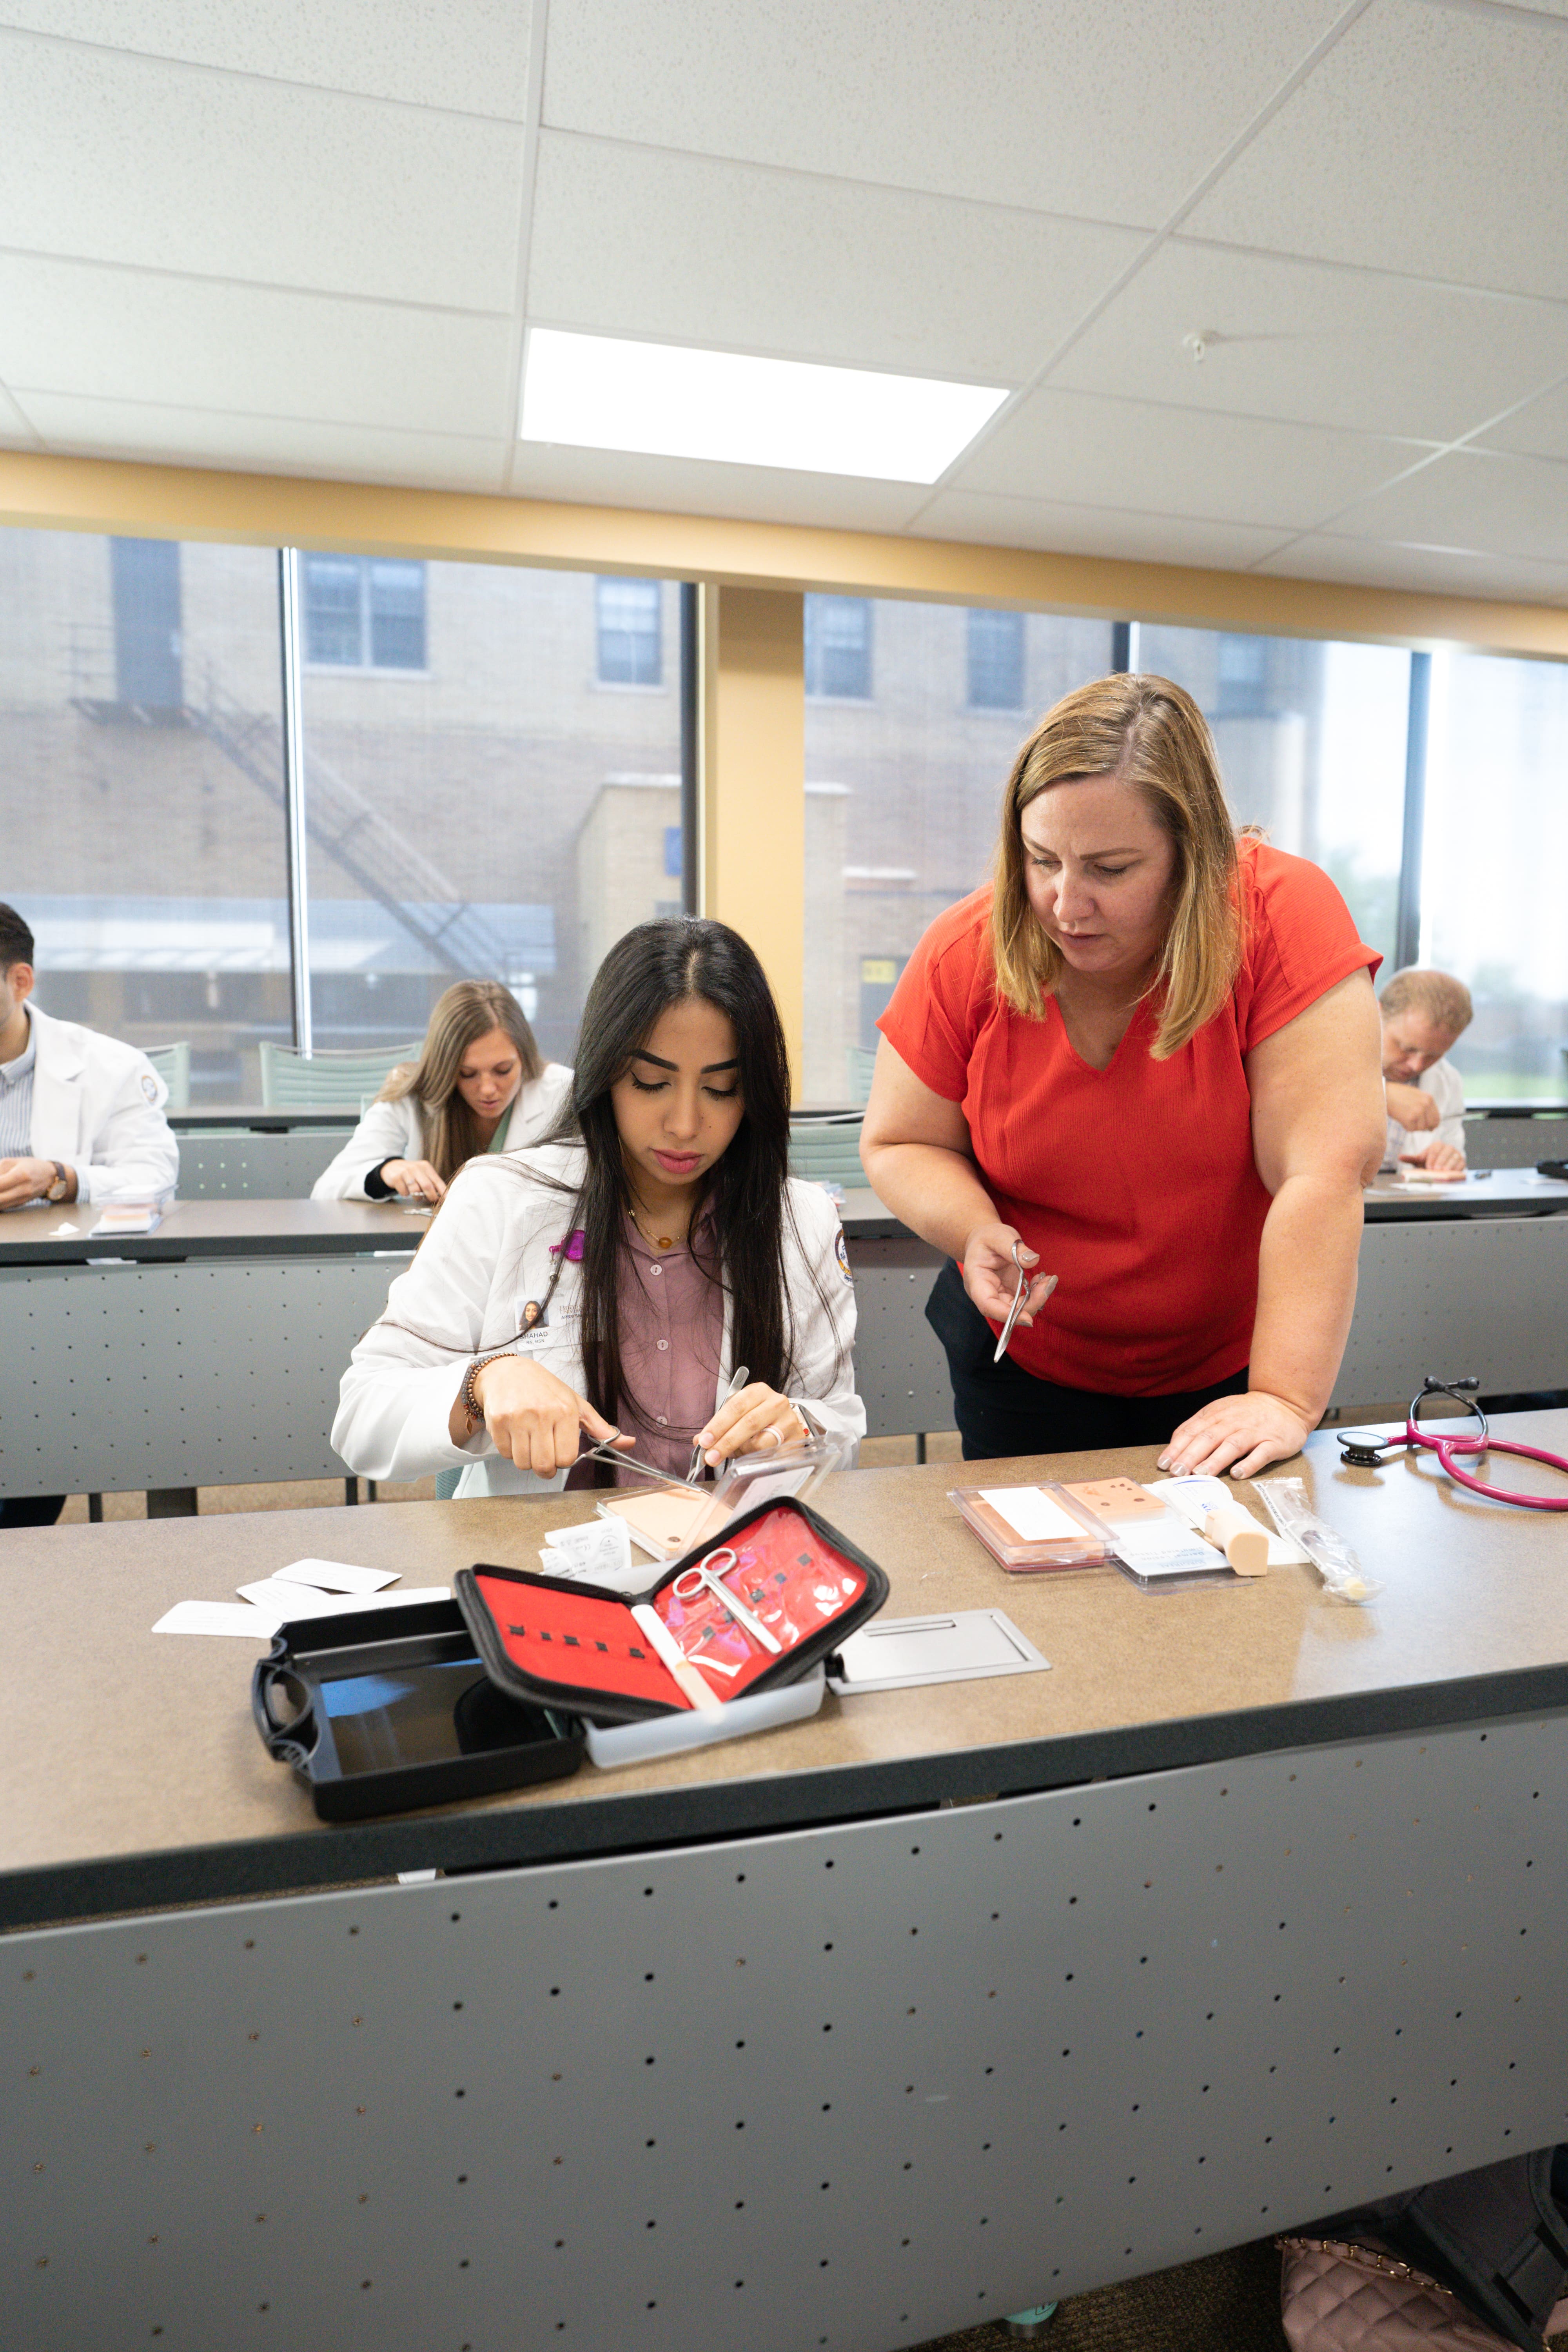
pixel 479 1086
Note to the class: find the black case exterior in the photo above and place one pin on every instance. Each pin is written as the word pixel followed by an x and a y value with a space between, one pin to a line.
pixel 377 1641
pixel 609 1706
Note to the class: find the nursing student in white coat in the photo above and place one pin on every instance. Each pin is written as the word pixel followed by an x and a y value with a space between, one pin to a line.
pixel 480 1085
pixel 608 1284
pixel 82 1120
pixel 82 1115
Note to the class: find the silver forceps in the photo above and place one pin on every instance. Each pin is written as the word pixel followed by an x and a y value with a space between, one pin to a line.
pixel 743 1374
pixel 1018 1297
pixel 605 1452
pixel 692 1580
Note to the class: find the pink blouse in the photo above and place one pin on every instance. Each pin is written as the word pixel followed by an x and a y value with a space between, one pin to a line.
pixel 672 1340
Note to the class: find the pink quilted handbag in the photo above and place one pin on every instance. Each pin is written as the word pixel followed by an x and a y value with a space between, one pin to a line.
pixel 1338 2298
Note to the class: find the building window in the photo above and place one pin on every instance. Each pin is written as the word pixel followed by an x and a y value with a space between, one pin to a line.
pixel 1242 678
pixel 365 611
pixel 631 652
pixel 838 646
pixel 995 661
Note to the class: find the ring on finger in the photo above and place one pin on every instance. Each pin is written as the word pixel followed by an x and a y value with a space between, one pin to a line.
pixel 775 1434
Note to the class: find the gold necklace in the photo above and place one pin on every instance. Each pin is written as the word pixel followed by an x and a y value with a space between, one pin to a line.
pixel 659 1241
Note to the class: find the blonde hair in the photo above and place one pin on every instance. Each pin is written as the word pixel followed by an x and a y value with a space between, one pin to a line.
pixel 466 1012
pixel 1444 999
pixel 1147 733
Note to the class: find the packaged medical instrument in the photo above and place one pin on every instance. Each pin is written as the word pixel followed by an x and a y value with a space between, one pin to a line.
pixel 1030 1531
pixel 761 1609
pixel 1324 1546
pixel 380 1710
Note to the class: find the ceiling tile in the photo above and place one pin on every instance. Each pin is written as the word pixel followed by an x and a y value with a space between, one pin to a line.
pixel 1430 570
pixel 266 445
pixel 1320 344
pixel 1430 140
pixel 1492 504
pixel 1082 451
pixel 1110 111
pixel 687 486
pixel 14 428
pixel 132 335
pixel 1538 430
pixel 638 242
pixel 977 517
pixel 173 167
pixel 468 55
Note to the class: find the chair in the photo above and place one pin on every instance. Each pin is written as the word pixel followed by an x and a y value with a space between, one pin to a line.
pixel 295 1081
pixel 862 1060
pixel 827 1151
pixel 172 1063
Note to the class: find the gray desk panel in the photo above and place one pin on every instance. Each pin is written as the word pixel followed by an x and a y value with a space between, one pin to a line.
pixel 242 1165
pixel 855 2086
pixel 215 1372
pixel 899 1367
pixel 1483 1296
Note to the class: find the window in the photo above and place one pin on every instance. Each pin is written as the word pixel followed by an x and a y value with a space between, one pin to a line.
pixel 995 661
pixel 838 647
pixel 900 807
pixel 630 652
pixel 142 792
pixel 363 612
pixel 1311 741
pixel 501 818
pixel 1496 848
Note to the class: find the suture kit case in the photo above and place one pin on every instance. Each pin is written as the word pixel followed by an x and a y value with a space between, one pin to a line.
pixel 572 1645
pixel 380 1710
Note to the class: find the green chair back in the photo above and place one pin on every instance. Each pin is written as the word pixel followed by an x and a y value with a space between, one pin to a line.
pixel 862 1061
pixel 827 1151
pixel 294 1081
pixel 172 1063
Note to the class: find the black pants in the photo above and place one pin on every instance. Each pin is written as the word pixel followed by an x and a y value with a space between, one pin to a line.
pixel 1002 1410
pixel 32 1511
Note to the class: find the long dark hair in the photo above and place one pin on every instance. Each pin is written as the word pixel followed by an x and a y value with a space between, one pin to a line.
pixel 654 967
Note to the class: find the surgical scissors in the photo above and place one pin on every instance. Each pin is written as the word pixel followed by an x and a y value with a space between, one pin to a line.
pixel 692 1580
pixel 1018 1297
pixel 1364 1450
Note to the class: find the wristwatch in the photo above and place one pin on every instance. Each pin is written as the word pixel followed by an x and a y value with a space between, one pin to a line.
pixel 61 1185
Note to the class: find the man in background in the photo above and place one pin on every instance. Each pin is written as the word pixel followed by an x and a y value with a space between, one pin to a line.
pixel 81 1120
pixel 1423 1013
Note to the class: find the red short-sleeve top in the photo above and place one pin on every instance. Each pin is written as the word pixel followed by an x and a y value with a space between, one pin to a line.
pixel 1136 1183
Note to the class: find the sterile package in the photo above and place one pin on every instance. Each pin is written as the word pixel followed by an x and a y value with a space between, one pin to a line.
pixel 1030 1531
pixel 1333 1558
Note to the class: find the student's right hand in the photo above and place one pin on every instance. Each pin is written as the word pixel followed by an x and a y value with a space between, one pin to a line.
pixel 413 1177
pixel 533 1418
pixel 1412 1107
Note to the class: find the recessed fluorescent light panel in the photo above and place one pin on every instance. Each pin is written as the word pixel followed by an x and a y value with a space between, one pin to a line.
pixel 597 392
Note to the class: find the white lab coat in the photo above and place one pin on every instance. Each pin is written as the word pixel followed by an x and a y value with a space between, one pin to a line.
pixel 98 1106
pixel 1446 1088
pixel 396 1131
pixel 487 1254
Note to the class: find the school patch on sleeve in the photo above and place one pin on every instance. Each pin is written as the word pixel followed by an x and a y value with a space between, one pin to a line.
pixel 150 1086
pixel 841 1252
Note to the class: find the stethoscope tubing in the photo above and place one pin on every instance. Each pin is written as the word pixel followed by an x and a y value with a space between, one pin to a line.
pixel 1477 1445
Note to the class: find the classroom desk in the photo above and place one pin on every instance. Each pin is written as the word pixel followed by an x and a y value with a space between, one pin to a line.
pixel 945 2003
pixel 208 1352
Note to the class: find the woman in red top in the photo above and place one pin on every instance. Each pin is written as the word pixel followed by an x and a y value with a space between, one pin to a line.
pixel 1149 1054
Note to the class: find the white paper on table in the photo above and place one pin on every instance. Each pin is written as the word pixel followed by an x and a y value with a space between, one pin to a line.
pixel 1163 1547
pixel 218 1617
pixel 597 1550
pixel 62 1233
pixel 337 1576
pixel 1197 1497
pixel 280 1600
pixel 1032 1515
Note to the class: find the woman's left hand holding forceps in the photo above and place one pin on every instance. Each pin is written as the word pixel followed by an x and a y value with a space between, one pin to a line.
pixel 535 1418
pixel 757 1419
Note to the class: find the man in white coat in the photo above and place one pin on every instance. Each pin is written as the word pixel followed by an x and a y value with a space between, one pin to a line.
pixel 82 1115
pixel 1423 1013
pixel 81 1118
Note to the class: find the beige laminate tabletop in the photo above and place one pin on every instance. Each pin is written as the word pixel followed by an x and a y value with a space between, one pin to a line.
pixel 132 1774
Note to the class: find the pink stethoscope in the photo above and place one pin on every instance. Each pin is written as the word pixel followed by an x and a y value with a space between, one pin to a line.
pixel 1365 1449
